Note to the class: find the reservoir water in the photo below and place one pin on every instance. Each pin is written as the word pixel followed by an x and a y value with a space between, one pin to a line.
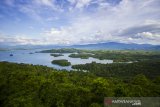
pixel 30 57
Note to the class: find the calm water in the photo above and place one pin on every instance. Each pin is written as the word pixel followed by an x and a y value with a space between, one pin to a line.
pixel 24 56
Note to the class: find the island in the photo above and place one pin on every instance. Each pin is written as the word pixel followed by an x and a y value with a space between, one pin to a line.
pixel 1 49
pixel 80 55
pixel 11 55
pixel 62 50
pixel 56 55
pixel 115 55
pixel 61 62
pixel 31 53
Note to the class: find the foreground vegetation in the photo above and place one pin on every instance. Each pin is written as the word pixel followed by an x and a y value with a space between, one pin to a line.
pixel 61 62
pixel 23 85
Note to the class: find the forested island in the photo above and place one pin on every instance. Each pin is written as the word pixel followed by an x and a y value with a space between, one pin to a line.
pixel 61 62
pixel 3 49
pixel 56 55
pixel 24 85
pixel 61 50
pixel 80 55
pixel 115 55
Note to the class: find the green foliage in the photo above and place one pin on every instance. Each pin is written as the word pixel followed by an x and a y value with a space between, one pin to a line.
pixel 23 85
pixel 61 62
pixel 126 55
pixel 122 70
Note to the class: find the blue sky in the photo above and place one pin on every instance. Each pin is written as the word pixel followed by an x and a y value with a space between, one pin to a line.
pixel 68 22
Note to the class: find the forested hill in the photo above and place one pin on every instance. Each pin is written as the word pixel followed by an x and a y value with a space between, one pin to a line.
pixel 23 85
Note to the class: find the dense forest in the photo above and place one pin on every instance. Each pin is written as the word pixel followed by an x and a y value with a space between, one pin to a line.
pixel 24 85
pixel 122 70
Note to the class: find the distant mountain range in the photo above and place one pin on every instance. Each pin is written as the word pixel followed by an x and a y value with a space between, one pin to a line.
pixel 107 46
pixel 118 46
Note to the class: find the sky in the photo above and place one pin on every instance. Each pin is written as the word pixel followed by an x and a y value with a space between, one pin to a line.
pixel 70 22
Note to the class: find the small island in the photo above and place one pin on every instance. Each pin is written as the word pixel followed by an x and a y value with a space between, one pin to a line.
pixel 11 55
pixel 56 55
pixel 61 62
pixel 80 55
pixel 62 50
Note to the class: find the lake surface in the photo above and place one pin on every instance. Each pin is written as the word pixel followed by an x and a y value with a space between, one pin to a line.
pixel 24 56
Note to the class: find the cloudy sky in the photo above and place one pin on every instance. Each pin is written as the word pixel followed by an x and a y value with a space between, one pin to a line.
pixel 68 22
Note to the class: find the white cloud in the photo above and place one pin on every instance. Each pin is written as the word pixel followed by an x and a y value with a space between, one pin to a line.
pixel 130 21
pixel 148 35
pixel 50 4
pixel 82 3
pixel 149 22
pixel 110 23
pixel 29 11
pixel 19 40
pixel 44 2
pixel 38 9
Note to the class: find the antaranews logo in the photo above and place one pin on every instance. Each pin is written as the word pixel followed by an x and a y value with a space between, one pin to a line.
pixel 108 101
pixel 132 102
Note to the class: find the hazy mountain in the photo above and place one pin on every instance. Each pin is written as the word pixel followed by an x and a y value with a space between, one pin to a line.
pixel 108 46
pixel 118 46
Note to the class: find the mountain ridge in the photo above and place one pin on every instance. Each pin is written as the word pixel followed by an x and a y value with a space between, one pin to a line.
pixel 119 46
pixel 106 46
